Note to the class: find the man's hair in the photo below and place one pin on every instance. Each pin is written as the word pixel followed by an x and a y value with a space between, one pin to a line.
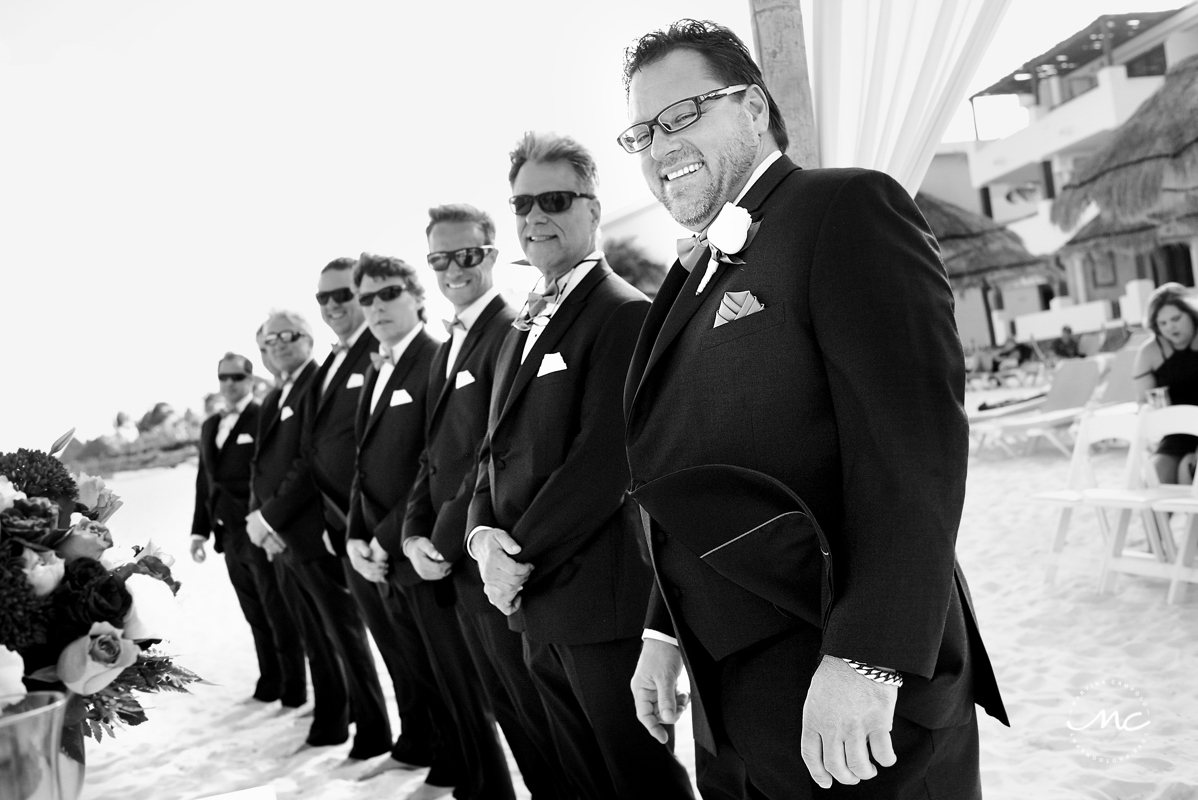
pixel 381 267
pixel 462 212
pixel 231 356
pixel 294 318
pixel 339 264
pixel 550 147
pixel 726 55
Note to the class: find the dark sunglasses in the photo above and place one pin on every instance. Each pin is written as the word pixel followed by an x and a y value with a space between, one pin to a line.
pixel 286 337
pixel 550 202
pixel 342 296
pixel 467 257
pixel 236 377
pixel 386 294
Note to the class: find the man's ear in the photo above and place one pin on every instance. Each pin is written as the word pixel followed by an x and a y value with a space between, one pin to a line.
pixel 596 213
pixel 758 107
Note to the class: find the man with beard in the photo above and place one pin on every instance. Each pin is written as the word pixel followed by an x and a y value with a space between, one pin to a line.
pixel 804 478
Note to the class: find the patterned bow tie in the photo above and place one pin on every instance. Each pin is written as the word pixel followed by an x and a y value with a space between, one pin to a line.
pixel 691 249
pixel 536 307
pixel 378 359
pixel 450 324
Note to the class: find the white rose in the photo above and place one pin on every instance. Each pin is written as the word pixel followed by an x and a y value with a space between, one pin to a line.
pixel 729 231
pixel 155 612
pixel 44 571
pixel 8 494
pixel 115 556
pixel 90 489
pixel 12 667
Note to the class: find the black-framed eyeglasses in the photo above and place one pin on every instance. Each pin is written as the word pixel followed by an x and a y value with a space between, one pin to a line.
pixel 342 296
pixel 678 116
pixel 550 202
pixel 283 337
pixel 236 377
pixel 467 257
pixel 386 295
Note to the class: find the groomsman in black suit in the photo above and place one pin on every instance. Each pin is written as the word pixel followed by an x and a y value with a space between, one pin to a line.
pixel 461 241
pixel 222 502
pixel 796 435
pixel 551 524
pixel 390 434
pixel 344 679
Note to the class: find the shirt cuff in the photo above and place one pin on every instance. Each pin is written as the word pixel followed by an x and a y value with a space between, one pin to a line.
pixel 195 537
pixel 659 636
pixel 470 538
pixel 262 517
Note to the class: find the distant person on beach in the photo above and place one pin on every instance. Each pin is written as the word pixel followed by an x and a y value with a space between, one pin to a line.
pixel 1169 361
pixel 802 464
pixel 227 441
pixel 1066 346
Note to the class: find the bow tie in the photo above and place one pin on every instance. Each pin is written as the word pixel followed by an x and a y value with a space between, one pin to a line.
pixel 536 307
pixel 450 324
pixel 339 348
pixel 691 249
pixel 378 359
pixel 226 412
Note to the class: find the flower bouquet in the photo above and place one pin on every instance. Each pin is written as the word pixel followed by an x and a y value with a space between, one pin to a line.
pixel 75 613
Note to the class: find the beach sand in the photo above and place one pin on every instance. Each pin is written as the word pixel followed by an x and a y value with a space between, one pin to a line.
pixel 1063 654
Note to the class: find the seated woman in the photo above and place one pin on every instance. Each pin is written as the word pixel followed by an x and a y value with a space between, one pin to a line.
pixel 1170 360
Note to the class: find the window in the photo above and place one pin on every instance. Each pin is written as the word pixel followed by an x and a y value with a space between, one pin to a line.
pixel 1150 63
pixel 1102 269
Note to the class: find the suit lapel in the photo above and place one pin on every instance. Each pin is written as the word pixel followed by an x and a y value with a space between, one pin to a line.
pixel 365 342
pixel 666 296
pixel 398 375
pixel 562 319
pixel 238 428
pixel 272 409
pixel 441 385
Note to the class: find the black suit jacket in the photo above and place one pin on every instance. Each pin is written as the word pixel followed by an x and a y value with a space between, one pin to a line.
pixel 328 450
pixel 847 388
pixel 456 423
pixel 390 440
pixel 223 480
pixel 554 474
pixel 280 440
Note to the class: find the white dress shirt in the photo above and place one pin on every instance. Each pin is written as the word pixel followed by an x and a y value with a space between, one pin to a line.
pixel 467 317
pixel 289 380
pixel 567 283
pixel 391 355
pixel 229 420
pixel 339 359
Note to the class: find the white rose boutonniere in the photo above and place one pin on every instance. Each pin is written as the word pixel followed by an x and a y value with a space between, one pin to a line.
pixel 729 234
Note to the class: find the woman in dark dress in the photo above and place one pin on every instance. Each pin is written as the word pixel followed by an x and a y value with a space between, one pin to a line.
pixel 1170 360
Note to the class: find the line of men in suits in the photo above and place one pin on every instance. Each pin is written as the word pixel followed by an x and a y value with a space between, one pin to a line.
pixel 572 499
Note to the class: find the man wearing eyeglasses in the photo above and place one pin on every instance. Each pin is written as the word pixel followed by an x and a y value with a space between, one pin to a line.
pixel 804 475
pixel 550 524
pixel 476 657
pixel 222 501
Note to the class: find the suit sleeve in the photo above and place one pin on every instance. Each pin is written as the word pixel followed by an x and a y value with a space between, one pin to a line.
pixel 201 525
pixel 589 486
pixel 882 311
pixel 294 494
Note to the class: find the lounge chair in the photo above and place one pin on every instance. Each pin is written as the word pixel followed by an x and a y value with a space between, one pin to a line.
pixel 1073 386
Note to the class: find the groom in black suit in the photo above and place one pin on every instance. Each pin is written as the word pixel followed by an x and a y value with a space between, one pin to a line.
pixel 796 435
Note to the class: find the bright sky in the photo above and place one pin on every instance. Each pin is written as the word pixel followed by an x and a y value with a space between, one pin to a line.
pixel 170 171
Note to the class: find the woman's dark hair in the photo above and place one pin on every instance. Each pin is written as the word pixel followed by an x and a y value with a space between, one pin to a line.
pixel 1170 294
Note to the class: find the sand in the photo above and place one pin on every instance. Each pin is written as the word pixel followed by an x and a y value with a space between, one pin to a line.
pixel 1062 653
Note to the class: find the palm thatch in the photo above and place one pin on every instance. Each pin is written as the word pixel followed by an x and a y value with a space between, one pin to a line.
pixel 1103 233
pixel 1150 160
pixel 976 249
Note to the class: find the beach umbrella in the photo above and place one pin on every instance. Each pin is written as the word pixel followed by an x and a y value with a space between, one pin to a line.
pixel 977 250
pixel 1150 165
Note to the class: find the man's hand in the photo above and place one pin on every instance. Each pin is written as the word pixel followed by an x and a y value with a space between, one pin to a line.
pixel 502 575
pixel 655 687
pixel 197 551
pixel 256 527
pixel 363 562
pixel 273 545
pixel 844 712
pixel 426 559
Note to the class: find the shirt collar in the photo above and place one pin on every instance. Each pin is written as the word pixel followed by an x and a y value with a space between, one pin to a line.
pixel 395 353
pixel 572 278
pixel 471 313
pixel 288 377
pixel 243 403
pixel 757 173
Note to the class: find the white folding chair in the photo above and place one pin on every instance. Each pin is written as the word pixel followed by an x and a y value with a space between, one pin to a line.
pixel 1140 499
pixel 1093 429
pixel 1183 570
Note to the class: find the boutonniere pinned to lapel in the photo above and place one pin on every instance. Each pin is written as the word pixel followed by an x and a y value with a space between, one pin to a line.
pixel 728 235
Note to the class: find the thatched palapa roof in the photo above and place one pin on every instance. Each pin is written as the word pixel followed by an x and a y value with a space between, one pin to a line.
pixel 1150 162
pixel 975 248
pixel 1103 233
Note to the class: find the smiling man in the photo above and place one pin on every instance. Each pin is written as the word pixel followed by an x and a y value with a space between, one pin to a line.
pixel 796 435
pixel 551 525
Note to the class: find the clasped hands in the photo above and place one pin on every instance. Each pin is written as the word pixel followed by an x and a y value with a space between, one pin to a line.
pixel 426 558
pixel 261 535
pixel 503 576
pixel 369 559
pixel 846 717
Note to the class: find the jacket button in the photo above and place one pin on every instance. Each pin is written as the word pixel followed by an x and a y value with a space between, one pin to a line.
pixel 432 470
pixel 499 463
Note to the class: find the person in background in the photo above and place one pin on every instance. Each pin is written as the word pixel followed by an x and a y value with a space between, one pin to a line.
pixel 1066 346
pixel 1169 361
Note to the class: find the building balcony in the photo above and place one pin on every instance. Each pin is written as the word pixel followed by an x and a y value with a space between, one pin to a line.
pixel 1072 128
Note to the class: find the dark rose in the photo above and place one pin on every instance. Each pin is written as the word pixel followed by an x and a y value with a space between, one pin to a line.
pixel 89 593
pixel 33 520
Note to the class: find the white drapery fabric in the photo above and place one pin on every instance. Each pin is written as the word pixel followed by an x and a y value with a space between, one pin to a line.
pixel 889 75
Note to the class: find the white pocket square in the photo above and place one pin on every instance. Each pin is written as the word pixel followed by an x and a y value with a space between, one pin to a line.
pixel 464 378
pixel 550 363
pixel 287 414
pixel 244 438
pixel 736 305
pixel 355 380
pixel 400 397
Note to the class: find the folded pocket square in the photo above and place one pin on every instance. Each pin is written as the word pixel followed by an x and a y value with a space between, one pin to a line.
pixel 736 305
pixel 464 378
pixel 400 397
pixel 550 363
pixel 244 438
pixel 287 413
pixel 355 380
